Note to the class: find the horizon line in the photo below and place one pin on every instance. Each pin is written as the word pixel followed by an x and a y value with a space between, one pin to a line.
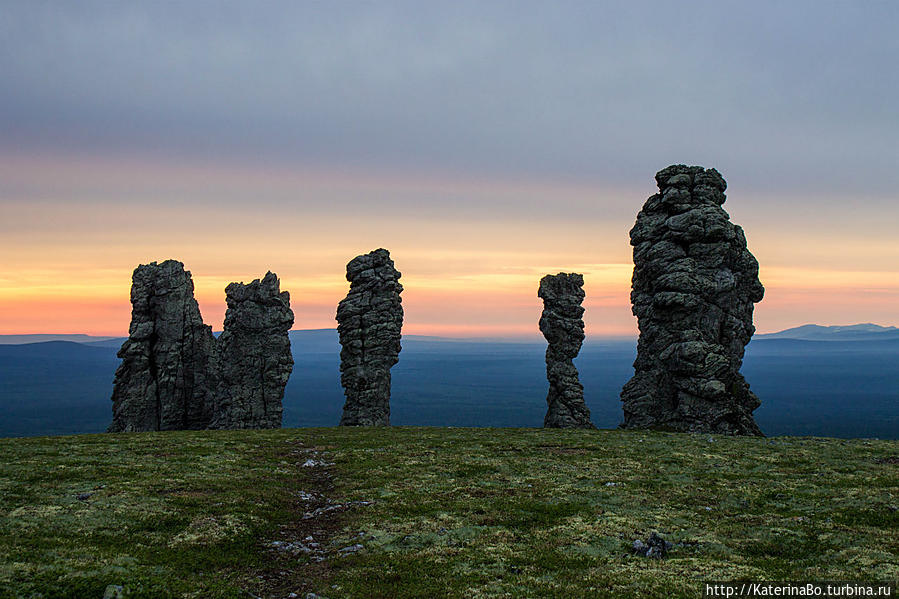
pixel 500 337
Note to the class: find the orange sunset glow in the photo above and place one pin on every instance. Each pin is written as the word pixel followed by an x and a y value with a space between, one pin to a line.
pixel 484 147
pixel 471 261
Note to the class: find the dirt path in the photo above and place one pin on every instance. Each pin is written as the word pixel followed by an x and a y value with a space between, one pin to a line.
pixel 301 551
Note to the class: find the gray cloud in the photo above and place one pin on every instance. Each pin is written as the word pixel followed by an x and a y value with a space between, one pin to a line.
pixel 778 95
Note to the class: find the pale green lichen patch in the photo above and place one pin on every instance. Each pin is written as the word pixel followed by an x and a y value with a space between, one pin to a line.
pixel 163 514
pixel 563 508
pixel 208 530
pixel 445 512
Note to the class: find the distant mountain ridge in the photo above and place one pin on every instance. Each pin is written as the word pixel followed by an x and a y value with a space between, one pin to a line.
pixel 42 338
pixel 854 332
pixel 830 387
pixel 328 337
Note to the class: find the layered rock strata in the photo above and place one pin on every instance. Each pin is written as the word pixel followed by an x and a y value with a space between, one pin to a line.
pixel 694 286
pixel 254 355
pixel 563 326
pixel 167 372
pixel 370 321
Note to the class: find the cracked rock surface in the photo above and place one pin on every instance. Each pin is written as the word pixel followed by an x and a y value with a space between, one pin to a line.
pixel 370 321
pixel 167 369
pixel 175 375
pixel 694 287
pixel 254 355
pixel 563 326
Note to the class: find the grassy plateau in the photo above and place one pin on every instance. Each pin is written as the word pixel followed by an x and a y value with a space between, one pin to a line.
pixel 438 512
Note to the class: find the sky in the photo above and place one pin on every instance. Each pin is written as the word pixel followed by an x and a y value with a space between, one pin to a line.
pixel 485 144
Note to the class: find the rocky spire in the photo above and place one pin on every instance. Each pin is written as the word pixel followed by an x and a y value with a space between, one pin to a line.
pixel 694 287
pixel 254 355
pixel 370 320
pixel 168 360
pixel 563 326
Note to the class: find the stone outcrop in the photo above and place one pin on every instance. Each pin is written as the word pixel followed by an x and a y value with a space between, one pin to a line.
pixel 167 372
pixel 694 287
pixel 176 375
pixel 370 321
pixel 563 326
pixel 254 355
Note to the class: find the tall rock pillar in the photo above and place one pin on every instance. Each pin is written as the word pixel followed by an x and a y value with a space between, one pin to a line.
pixel 563 326
pixel 694 287
pixel 370 321
pixel 254 355
pixel 168 360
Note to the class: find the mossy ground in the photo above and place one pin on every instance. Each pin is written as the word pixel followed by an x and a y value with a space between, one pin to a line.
pixel 453 512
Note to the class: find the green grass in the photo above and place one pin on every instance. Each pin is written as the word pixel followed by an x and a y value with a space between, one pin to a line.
pixel 452 513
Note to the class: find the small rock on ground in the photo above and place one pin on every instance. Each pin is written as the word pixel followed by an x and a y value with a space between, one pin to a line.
pixel 114 591
pixel 654 547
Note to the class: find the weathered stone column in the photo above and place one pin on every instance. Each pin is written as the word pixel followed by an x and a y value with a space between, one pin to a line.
pixel 168 360
pixel 563 326
pixel 694 287
pixel 370 321
pixel 254 355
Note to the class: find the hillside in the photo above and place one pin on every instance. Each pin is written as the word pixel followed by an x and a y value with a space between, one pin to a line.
pixel 833 388
pixel 438 512
pixel 854 332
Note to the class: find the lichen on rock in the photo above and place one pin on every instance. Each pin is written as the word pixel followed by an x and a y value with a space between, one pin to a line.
pixel 694 287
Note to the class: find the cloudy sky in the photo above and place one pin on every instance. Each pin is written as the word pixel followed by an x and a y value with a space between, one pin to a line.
pixel 484 143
